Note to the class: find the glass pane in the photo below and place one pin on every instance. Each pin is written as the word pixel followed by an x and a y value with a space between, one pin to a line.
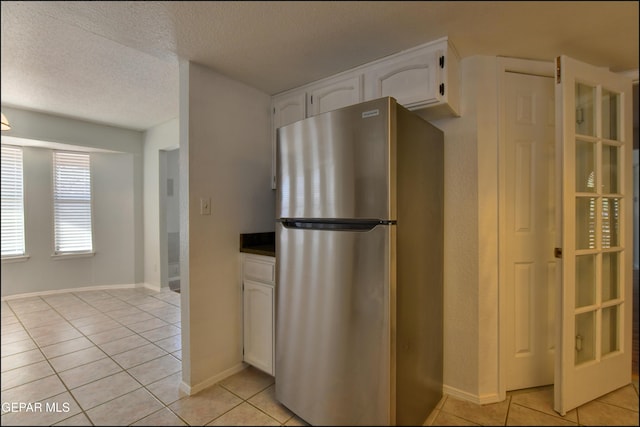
pixel 610 267
pixel 610 114
pixel 585 280
pixel 585 337
pixel 610 169
pixel 585 167
pixel 585 223
pixel 610 333
pixel 610 222
pixel 585 113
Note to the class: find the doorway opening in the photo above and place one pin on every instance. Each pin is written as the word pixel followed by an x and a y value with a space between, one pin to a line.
pixel 170 212
pixel 535 282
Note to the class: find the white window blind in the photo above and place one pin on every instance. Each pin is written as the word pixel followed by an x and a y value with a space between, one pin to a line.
pixel 12 202
pixel 72 202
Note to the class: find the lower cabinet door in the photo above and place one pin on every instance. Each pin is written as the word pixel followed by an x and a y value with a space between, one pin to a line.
pixel 258 325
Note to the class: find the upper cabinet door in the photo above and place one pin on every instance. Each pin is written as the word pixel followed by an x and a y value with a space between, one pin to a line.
pixel 335 94
pixel 286 110
pixel 595 210
pixel 289 109
pixel 423 77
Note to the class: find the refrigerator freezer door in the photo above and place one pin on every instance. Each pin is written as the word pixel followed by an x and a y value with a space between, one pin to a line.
pixel 339 164
pixel 334 325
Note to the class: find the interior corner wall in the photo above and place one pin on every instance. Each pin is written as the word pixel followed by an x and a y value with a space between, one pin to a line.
pixel 470 242
pixel 226 152
pixel 117 206
pixel 161 137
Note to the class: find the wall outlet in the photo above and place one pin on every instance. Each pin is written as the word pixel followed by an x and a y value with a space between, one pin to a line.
pixel 205 206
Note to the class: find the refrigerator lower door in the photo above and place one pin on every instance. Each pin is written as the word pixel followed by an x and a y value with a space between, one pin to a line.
pixel 334 325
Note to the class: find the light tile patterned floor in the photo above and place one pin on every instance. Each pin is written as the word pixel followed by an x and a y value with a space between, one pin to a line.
pixel 113 358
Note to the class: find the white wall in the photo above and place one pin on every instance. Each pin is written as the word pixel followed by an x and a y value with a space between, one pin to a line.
pixel 117 210
pixel 470 241
pixel 161 137
pixel 225 155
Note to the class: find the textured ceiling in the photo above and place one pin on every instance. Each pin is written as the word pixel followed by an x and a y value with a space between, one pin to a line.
pixel 117 62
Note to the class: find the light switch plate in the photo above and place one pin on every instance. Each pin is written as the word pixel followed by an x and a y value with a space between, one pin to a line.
pixel 205 206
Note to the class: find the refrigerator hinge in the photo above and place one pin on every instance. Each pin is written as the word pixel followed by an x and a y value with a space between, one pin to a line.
pixel 441 60
pixel 442 89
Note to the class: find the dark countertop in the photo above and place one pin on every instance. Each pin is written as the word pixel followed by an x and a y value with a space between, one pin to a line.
pixel 258 243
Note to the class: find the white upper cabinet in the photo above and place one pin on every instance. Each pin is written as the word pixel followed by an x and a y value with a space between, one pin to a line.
pixel 289 109
pixel 335 93
pixel 286 110
pixel 426 76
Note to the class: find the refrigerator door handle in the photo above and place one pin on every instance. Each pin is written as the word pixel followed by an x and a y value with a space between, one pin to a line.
pixel 334 224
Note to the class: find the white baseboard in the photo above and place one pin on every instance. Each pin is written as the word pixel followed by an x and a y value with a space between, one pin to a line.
pixel 191 390
pixel 153 286
pixel 81 289
pixel 474 398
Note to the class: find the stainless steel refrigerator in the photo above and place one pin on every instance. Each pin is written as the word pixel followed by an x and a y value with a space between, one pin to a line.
pixel 359 261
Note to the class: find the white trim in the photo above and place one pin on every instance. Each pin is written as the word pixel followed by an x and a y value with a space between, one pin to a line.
pixel 153 286
pixel 191 390
pixel 61 291
pixel 17 258
pixel 632 74
pixel 469 397
pixel 68 255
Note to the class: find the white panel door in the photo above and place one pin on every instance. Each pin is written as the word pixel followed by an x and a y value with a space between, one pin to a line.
pixel 595 233
pixel 530 229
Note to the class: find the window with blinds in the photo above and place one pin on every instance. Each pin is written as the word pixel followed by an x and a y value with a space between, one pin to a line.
pixel 72 202
pixel 12 202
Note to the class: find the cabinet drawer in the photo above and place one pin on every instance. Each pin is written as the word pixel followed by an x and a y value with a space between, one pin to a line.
pixel 262 271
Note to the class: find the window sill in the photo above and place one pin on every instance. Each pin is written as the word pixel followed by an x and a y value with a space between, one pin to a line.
pixel 17 258
pixel 72 255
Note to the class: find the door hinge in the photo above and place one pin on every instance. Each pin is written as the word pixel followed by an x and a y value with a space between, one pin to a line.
pixel 557 252
pixel 558 68
pixel 442 89
pixel 441 61
pixel 312 99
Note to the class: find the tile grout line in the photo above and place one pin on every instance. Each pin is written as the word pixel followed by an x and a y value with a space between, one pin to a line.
pixel 142 386
pixel 125 370
pixel 68 321
pixel 68 391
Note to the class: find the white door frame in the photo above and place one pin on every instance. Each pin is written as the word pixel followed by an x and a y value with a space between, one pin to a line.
pixel 538 68
pixel 524 66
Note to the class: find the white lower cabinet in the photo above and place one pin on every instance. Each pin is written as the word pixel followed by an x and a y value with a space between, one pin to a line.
pixel 258 311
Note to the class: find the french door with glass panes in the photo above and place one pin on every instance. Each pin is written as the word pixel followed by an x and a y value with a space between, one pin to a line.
pixel 595 245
